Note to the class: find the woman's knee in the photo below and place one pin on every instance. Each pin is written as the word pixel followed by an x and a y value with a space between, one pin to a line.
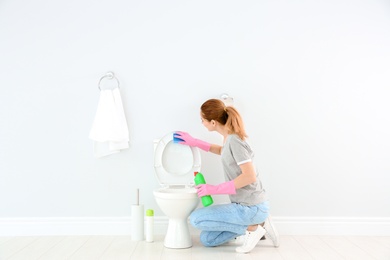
pixel 205 239
pixel 193 218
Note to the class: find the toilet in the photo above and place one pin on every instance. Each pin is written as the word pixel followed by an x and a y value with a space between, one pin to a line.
pixel 174 166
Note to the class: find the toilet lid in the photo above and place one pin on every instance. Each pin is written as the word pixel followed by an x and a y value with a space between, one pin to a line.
pixel 175 163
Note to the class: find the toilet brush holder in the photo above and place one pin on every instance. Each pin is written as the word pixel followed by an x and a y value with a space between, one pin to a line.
pixel 137 222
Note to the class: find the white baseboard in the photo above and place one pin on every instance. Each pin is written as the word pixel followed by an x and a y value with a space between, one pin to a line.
pixel 73 226
pixel 122 225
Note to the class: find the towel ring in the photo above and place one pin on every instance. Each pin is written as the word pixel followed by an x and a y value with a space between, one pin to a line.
pixel 227 100
pixel 109 75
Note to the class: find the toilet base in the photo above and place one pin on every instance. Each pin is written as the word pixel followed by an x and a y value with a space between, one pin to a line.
pixel 178 234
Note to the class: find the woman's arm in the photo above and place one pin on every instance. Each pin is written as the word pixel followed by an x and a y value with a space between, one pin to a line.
pixel 214 148
pixel 247 176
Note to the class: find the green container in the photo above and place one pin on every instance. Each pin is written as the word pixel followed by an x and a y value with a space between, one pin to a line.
pixel 199 179
pixel 149 213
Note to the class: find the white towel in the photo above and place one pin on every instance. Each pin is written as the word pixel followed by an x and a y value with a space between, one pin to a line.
pixel 109 130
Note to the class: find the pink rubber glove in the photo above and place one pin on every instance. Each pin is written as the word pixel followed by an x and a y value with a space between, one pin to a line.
pixel 189 140
pixel 223 188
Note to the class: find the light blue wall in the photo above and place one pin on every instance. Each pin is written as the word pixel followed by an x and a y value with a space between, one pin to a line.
pixel 311 79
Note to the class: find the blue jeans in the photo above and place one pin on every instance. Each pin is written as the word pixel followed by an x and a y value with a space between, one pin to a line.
pixel 221 223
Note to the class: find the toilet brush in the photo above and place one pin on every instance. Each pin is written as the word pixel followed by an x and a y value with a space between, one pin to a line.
pixel 137 220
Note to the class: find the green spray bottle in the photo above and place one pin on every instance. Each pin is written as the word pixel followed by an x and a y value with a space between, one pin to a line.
pixel 199 179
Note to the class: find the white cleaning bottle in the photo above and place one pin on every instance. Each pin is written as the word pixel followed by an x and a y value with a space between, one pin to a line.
pixel 149 225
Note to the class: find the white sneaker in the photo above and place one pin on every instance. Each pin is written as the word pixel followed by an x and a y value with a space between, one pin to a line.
pixel 251 239
pixel 237 241
pixel 272 233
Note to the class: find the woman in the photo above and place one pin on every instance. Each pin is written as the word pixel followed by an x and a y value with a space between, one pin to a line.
pixel 248 211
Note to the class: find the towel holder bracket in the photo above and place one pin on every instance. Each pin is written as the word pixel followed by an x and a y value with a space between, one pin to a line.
pixel 109 75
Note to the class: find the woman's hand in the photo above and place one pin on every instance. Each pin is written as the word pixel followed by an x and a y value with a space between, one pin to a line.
pixel 189 140
pixel 223 188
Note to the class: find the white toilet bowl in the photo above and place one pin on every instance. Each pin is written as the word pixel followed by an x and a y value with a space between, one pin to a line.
pixel 177 198
pixel 177 204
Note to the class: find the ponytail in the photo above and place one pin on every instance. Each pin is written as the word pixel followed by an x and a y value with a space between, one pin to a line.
pixel 234 122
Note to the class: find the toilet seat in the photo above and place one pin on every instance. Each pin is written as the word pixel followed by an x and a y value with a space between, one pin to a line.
pixel 175 163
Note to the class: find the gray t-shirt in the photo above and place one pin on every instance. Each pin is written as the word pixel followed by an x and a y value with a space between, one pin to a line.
pixel 234 153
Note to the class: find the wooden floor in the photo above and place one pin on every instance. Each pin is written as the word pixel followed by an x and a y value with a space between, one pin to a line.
pixel 121 247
